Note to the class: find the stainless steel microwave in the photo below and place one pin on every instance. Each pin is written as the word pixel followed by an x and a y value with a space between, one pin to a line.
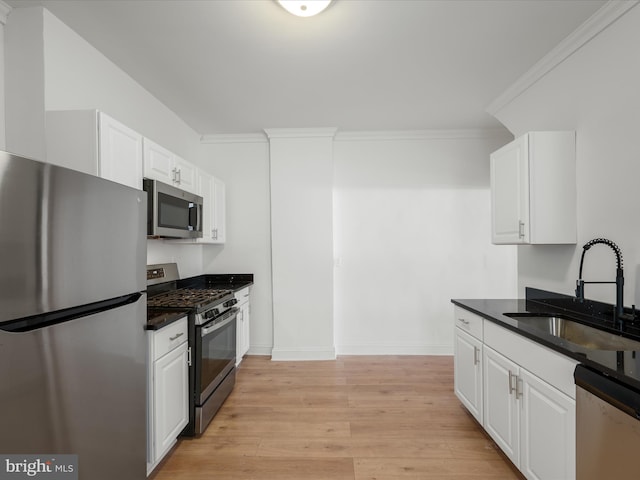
pixel 172 212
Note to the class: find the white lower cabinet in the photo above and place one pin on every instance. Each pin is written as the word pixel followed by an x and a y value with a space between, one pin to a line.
pixel 547 431
pixel 527 397
pixel 243 324
pixel 468 372
pixel 501 414
pixel 168 389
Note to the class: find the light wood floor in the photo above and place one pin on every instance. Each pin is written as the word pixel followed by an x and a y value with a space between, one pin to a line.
pixel 355 418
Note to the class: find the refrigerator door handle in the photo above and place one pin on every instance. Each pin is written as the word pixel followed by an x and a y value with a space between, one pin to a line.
pixel 43 320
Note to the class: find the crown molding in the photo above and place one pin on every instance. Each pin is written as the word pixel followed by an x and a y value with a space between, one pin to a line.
pixel 459 134
pixel 5 9
pixel 595 24
pixel 300 132
pixel 234 138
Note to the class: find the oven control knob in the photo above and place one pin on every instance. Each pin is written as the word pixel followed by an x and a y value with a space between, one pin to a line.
pixel 230 303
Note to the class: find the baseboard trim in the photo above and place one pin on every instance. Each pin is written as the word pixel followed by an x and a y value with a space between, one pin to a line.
pixel 260 350
pixel 283 354
pixel 394 349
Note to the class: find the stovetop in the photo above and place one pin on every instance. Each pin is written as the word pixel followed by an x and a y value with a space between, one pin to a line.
pixel 203 298
pixel 198 298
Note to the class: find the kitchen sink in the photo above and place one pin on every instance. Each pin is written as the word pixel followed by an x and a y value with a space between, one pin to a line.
pixel 575 332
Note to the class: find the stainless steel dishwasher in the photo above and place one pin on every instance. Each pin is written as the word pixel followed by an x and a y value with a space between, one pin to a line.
pixel 607 427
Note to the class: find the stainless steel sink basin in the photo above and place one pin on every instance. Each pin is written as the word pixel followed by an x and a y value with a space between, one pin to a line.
pixel 578 333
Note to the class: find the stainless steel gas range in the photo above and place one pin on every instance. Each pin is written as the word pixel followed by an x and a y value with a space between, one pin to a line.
pixel 212 338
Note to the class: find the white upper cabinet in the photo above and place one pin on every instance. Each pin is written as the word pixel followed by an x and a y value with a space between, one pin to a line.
pixel 92 142
pixel 533 190
pixel 158 162
pixel 120 152
pixel 212 191
pixel 163 165
pixel 219 232
pixel 186 173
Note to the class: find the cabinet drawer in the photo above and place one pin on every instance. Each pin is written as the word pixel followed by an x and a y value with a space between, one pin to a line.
pixel 469 322
pixel 242 296
pixel 169 338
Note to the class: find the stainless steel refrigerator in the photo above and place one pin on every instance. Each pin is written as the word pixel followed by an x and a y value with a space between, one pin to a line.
pixel 72 316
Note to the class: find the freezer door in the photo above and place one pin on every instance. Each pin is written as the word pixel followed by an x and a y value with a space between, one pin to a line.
pixel 67 238
pixel 79 387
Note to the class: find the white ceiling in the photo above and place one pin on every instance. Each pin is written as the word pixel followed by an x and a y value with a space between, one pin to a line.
pixel 238 66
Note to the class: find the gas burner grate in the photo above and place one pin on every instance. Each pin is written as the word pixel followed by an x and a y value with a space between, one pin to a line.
pixel 187 297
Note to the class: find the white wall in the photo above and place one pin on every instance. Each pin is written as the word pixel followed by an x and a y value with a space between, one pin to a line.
pixel 596 91
pixel 188 256
pixel 24 83
pixel 412 231
pixel 244 167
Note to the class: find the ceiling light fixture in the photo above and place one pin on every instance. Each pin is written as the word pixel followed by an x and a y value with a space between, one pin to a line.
pixel 304 8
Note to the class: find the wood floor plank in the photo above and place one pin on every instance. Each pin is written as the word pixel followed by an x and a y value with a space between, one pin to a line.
pixel 356 418
pixel 420 468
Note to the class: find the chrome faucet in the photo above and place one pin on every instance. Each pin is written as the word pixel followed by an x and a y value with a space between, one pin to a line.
pixel 619 281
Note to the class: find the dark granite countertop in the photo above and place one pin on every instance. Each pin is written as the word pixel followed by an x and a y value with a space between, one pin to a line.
pixel 157 318
pixel 227 281
pixel 622 365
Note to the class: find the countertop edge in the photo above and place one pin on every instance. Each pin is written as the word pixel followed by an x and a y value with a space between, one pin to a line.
pixel 171 318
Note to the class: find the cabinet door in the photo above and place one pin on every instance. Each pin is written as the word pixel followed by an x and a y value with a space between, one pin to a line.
pixel 171 390
pixel 205 190
pixel 467 367
pixel 246 339
pixel 185 175
pixel 242 337
pixel 239 337
pixel 510 192
pixel 219 221
pixel 120 153
pixel 501 408
pixel 158 163
pixel 547 431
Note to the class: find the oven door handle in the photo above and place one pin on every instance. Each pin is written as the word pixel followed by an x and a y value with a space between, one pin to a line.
pixel 207 330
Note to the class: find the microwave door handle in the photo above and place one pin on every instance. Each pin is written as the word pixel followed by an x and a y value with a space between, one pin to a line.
pixel 193 216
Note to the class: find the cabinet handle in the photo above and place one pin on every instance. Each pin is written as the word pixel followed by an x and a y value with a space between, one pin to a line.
pixel 174 171
pixel 520 229
pixel 518 387
pixel 466 322
pixel 476 360
pixel 511 387
pixel 214 233
pixel 179 176
pixel 189 356
pixel 177 335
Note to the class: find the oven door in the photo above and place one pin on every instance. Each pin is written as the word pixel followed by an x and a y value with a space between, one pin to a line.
pixel 217 353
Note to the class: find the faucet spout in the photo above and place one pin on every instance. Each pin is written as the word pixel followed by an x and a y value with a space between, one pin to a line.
pixel 619 281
